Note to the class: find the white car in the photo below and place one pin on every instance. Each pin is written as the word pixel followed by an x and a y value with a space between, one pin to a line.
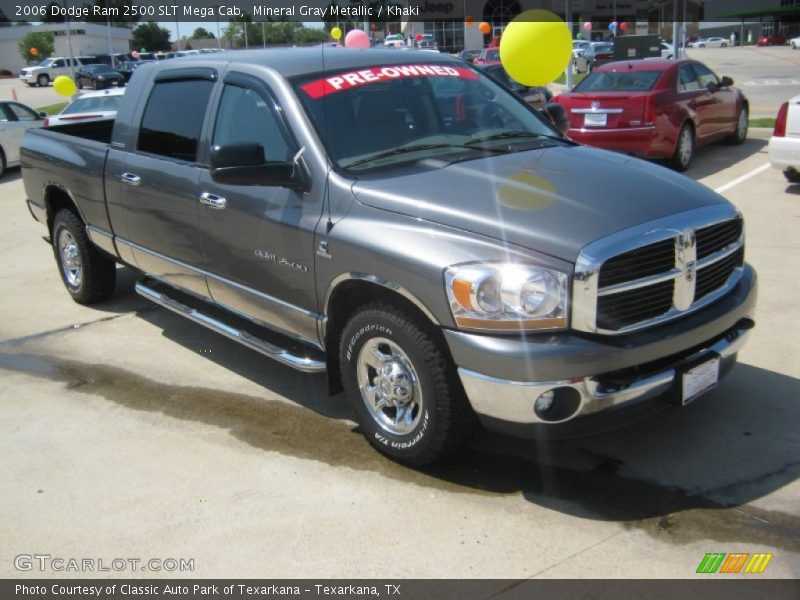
pixel 784 145
pixel 667 50
pixel 711 42
pixel 15 119
pixel 90 106
pixel 795 43
pixel 395 40
pixel 50 68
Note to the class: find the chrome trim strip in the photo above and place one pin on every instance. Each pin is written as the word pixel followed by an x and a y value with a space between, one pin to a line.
pixel 262 295
pixel 102 239
pixel 686 261
pixel 591 258
pixel 395 287
pixel 301 363
pixel 513 401
pixel 597 111
pixel 614 129
pixel 720 254
pixel 638 283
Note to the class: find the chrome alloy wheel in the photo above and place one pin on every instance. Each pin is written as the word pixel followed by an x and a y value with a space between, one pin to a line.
pixel 389 386
pixel 70 258
pixel 686 143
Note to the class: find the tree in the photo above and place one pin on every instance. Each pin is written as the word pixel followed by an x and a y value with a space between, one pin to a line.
pixel 151 37
pixel 307 35
pixel 42 41
pixel 201 33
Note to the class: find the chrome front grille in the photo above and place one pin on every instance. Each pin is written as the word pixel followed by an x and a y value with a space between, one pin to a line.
pixel 658 271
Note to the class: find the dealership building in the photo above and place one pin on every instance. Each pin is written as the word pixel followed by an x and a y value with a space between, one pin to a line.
pixel 712 17
pixel 86 39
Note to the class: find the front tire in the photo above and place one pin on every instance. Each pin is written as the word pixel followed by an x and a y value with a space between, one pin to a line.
pixel 88 275
pixel 792 175
pixel 402 385
pixel 43 80
pixel 684 149
pixel 2 163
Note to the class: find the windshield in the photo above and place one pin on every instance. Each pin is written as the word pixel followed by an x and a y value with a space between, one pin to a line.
pixel 384 116
pixel 98 103
pixel 626 81
pixel 46 62
pixel 602 48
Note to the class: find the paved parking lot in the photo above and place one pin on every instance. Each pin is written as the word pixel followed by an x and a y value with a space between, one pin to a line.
pixel 127 431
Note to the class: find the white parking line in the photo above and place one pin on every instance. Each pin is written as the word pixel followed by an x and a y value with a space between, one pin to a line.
pixel 743 178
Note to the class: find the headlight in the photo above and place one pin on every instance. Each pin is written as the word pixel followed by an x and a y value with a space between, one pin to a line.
pixel 507 296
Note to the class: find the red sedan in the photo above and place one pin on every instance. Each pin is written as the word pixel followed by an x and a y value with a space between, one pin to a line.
pixel 488 56
pixel 771 40
pixel 655 109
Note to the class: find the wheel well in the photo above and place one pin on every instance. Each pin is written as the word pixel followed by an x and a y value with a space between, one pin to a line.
pixel 56 199
pixel 345 300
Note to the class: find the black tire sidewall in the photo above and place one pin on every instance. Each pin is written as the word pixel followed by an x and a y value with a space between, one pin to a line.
pixel 363 327
pixel 60 224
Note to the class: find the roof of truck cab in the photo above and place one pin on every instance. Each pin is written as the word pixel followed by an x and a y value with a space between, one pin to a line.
pixel 291 62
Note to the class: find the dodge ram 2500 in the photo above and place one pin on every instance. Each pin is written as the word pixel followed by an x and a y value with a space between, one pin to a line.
pixel 405 223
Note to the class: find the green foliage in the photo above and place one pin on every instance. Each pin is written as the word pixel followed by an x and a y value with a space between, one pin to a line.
pixel 151 37
pixel 42 41
pixel 201 33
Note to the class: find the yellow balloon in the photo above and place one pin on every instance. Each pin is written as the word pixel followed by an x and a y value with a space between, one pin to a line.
pixel 536 47
pixel 336 33
pixel 64 86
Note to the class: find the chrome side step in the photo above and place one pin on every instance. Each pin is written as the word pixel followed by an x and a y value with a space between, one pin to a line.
pixel 301 363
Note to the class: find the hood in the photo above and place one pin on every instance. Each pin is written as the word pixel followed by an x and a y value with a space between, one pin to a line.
pixel 553 200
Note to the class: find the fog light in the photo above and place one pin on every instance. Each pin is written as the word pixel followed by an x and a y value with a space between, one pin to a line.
pixel 544 402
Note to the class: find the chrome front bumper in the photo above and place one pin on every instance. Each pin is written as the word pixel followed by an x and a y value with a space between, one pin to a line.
pixel 513 401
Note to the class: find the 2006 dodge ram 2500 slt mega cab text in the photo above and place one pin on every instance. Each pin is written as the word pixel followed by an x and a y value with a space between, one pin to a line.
pixel 406 223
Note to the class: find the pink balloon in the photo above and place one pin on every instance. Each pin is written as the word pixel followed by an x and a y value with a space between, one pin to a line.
pixel 135 54
pixel 356 39
pixel 587 26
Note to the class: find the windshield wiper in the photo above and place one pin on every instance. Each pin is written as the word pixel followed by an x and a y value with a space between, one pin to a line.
pixel 517 133
pixel 400 150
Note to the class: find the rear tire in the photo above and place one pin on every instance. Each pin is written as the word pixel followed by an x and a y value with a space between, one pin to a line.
pixel 2 163
pixel 792 175
pixel 402 385
pixel 88 275
pixel 684 149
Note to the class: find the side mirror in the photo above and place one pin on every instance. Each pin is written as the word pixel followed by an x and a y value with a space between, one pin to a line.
pixel 42 115
pixel 726 82
pixel 243 164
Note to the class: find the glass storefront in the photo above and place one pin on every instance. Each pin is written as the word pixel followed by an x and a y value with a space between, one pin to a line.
pixel 449 35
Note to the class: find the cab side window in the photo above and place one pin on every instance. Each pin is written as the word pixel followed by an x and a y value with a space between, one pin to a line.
pixel 173 118
pixel 705 75
pixel 687 79
pixel 57 64
pixel 246 116
pixel 22 113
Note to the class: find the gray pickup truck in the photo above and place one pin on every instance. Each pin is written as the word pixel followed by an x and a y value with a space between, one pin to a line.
pixel 405 223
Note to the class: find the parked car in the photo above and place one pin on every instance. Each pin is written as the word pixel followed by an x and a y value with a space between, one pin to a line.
pixel 15 119
pixel 98 77
pixel 394 40
pixel 89 106
pixel 784 145
pixel 443 266
pixel 593 56
pixel 128 68
pixel 488 56
pixel 710 42
pixel 468 56
pixel 656 109
pixel 794 43
pixel 771 40
pixel 50 68
pixel 667 50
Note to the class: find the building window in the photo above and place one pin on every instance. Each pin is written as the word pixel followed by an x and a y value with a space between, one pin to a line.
pixel 449 35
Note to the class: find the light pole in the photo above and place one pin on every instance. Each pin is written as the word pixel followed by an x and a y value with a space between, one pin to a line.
pixel 568 18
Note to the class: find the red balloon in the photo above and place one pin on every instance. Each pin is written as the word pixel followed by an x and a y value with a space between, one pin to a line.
pixel 469 21
pixel 623 26
pixel 418 37
pixel 485 28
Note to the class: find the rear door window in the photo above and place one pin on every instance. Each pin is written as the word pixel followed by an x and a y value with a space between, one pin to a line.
pixel 173 118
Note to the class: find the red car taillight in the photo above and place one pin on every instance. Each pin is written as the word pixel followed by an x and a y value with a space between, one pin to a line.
pixel 780 121
pixel 649 117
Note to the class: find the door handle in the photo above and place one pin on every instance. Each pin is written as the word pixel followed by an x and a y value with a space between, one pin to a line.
pixel 130 179
pixel 213 201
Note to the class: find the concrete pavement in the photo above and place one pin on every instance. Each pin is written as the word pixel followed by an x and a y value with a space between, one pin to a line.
pixel 128 431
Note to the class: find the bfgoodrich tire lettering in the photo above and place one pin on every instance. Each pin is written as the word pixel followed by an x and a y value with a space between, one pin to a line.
pixel 88 275
pixel 402 385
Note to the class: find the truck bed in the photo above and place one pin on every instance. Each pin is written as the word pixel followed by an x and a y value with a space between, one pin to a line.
pixel 72 158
